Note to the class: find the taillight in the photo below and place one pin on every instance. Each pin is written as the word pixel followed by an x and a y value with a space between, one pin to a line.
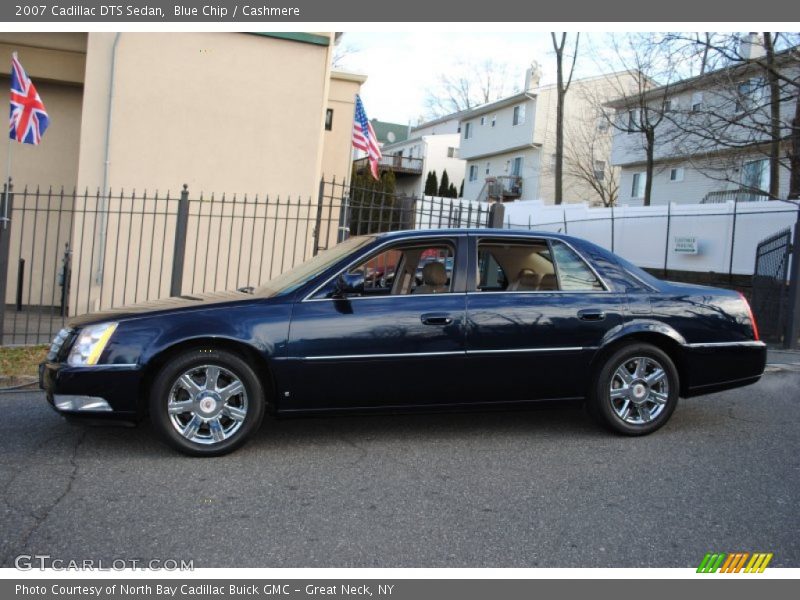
pixel 752 318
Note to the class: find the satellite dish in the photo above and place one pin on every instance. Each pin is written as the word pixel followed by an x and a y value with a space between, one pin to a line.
pixel 390 136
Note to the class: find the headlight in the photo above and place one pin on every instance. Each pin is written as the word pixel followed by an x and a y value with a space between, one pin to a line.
pixel 90 343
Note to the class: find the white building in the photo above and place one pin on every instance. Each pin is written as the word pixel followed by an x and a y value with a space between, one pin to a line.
pixel 431 146
pixel 710 137
pixel 509 145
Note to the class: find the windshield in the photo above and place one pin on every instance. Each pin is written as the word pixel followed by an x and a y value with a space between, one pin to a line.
pixel 299 275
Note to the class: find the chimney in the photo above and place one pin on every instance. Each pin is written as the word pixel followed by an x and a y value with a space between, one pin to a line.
pixel 532 76
pixel 751 46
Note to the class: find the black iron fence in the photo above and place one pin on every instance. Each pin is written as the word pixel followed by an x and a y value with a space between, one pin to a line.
pixel 770 285
pixel 66 253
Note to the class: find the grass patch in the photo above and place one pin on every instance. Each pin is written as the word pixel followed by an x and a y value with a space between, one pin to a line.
pixel 21 361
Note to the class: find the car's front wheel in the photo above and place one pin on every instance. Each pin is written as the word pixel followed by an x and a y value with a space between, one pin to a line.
pixel 636 390
pixel 206 402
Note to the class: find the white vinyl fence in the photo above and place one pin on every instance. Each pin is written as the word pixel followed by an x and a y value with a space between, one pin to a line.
pixel 719 238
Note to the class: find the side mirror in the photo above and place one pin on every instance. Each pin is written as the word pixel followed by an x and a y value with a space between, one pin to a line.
pixel 349 284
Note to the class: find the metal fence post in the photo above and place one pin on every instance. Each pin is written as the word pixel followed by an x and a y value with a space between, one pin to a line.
pixel 793 318
pixel 318 222
pixel 666 240
pixel 5 246
pixel 497 212
pixel 179 253
pixel 733 242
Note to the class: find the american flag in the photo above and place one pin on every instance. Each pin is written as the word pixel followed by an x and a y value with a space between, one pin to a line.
pixel 364 138
pixel 29 118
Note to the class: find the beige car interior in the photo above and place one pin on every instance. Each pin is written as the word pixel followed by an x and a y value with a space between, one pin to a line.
pixel 526 267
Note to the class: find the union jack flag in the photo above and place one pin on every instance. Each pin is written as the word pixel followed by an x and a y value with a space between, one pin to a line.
pixel 364 138
pixel 28 116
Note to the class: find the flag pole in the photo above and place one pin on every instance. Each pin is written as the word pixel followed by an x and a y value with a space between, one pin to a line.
pixel 8 185
pixel 352 147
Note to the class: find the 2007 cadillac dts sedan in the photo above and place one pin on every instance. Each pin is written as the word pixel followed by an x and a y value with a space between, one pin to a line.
pixel 411 320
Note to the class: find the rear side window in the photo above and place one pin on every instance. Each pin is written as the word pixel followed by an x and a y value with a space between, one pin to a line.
pixel 574 274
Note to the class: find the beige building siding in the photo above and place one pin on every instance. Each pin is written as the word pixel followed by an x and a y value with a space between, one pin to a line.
pixel 236 115
pixel 223 112
pixel 338 141
pixel 42 227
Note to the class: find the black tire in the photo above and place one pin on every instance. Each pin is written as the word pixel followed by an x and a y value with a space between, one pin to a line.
pixel 166 388
pixel 607 410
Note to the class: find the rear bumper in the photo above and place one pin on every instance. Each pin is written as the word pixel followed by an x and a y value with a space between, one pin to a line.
pixel 98 392
pixel 720 366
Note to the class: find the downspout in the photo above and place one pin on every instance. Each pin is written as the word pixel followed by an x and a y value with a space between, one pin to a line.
pixel 103 198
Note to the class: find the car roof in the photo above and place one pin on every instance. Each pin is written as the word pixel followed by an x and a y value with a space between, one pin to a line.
pixel 413 233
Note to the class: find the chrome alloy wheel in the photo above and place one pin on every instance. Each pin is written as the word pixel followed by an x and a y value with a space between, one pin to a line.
pixel 207 404
pixel 639 390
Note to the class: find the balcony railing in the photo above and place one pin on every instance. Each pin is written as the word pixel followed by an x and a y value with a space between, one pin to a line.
pixel 393 162
pixel 740 195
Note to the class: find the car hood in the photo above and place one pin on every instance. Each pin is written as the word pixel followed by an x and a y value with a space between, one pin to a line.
pixel 163 305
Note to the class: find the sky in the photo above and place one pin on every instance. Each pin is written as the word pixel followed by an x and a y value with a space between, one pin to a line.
pixel 401 67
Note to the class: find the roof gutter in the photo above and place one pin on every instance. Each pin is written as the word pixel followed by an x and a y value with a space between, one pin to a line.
pixel 103 208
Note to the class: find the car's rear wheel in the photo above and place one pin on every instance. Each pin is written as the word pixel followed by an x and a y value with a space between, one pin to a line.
pixel 206 402
pixel 636 390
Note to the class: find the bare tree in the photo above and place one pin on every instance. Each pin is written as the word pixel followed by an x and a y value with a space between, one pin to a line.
pixel 563 81
pixel 642 104
pixel 587 156
pixel 342 52
pixel 741 115
pixel 467 85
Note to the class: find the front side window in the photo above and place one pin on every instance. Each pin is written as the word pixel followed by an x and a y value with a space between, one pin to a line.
pixel 399 270
pixel 467 131
pixel 473 172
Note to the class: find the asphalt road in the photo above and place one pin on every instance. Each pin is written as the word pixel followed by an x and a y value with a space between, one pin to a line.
pixel 514 489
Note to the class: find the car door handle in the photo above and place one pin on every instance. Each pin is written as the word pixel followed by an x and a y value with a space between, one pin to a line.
pixel 436 319
pixel 591 314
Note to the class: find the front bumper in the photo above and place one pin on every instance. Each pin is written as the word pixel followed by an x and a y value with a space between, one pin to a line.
pixel 101 391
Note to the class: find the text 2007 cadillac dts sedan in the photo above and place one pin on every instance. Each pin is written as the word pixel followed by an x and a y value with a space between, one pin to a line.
pixel 411 320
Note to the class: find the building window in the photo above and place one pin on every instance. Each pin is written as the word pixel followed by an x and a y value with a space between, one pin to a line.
pixel 483 121
pixel 599 170
pixel 668 106
pixel 602 124
pixel 519 115
pixel 637 186
pixel 634 121
pixel 467 131
pixel 329 119
pixel 676 174
pixel 473 172
pixel 494 120
pixel 697 101
pixel 749 94
pixel 755 175
pixel 516 167
pixel 452 152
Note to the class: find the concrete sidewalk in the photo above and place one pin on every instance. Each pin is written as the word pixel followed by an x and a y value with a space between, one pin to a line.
pixel 779 356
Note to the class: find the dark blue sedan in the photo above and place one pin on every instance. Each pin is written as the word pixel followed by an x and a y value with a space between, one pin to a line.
pixel 495 318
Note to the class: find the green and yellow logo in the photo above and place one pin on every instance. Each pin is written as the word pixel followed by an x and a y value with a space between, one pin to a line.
pixel 738 562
